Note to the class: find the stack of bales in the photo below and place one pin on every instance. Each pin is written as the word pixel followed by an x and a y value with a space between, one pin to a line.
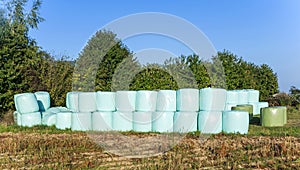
pixel 187 106
pixel 103 117
pixel 212 103
pixel 162 119
pixel 27 107
pixel 125 106
pixel 82 105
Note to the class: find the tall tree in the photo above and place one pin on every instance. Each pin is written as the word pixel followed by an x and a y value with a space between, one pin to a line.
pixel 19 54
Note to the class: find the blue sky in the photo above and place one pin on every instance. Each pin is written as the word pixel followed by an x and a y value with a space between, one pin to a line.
pixel 260 31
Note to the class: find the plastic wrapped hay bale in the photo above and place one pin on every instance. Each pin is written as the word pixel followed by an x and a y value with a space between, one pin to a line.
pixel 49 119
pixel 17 118
pixel 232 97
pixel 81 121
pixel 145 101
pixel 210 122
pixel 26 103
pixel 43 99
pixel 162 121
pixel 15 100
pixel 212 99
pixel 63 120
pixel 105 101
pixel 166 101
pixel 257 107
pixel 253 96
pixel 243 96
pixel 102 121
pixel 31 119
pixel 235 122
pixel 142 121
pixel 122 121
pixel 72 101
pixel 187 100
pixel 87 102
pixel 273 116
pixel 125 101
pixel 185 122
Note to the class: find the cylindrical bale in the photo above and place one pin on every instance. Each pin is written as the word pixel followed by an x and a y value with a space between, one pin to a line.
pixel 15 100
pixel 102 121
pixel 146 101
pixel 27 103
pixel 212 99
pixel 142 121
pixel 81 121
pixel 185 122
pixel 243 96
pixel 125 101
pixel 72 101
pixel 235 122
pixel 43 99
pixel 232 97
pixel 253 96
pixel 166 101
pixel 49 119
pixel 17 118
pixel 122 121
pixel 162 121
pixel 229 106
pixel 245 107
pixel 187 100
pixel 106 101
pixel 87 102
pixel 31 119
pixel 63 120
pixel 210 122
pixel 273 116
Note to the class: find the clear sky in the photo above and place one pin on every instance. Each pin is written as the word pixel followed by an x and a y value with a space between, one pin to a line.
pixel 260 31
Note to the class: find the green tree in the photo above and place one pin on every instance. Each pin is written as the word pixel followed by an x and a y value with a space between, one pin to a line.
pixel 19 54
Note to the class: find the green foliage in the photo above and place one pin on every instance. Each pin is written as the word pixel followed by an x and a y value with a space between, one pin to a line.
pixel 19 54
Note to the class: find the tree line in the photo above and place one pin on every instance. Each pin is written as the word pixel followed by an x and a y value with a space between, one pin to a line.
pixel 106 64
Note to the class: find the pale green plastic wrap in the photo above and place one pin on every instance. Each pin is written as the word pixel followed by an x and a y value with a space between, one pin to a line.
pixel 273 116
pixel 142 121
pixel 162 121
pixel 243 96
pixel 17 118
pixel 122 121
pixel 210 122
pixel 228 106
pixel 81 121
pixel 232 97
pixel 185 122
pixel 31 119
pixel 253 96
pixel 125 101
pixel 15 100
pixel 146 101
pixel 212 99
pixel 106 101
pixel 49 119
pixel 72 101
pixel 64 120
pixel 245 107
pixel 87 102
pixel 43 99
pixel 102 121
pixel 187 100
pixel 166 101
pixel 235 122
pixel 26 103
